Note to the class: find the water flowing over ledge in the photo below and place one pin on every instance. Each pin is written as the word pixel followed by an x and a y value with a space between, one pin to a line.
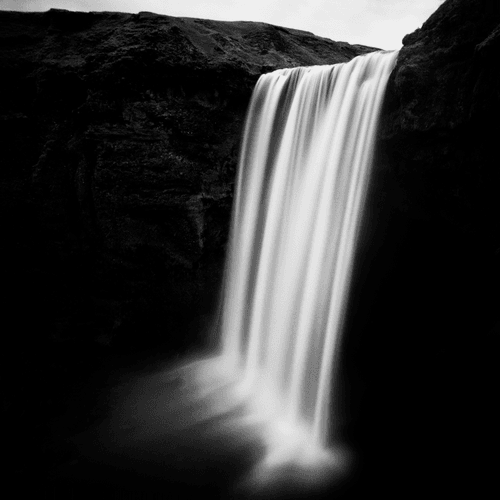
pixel 304 170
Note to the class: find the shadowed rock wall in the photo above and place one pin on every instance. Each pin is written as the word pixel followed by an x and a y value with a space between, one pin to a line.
pixel 420 353
pixel 120 137
pixel 438 172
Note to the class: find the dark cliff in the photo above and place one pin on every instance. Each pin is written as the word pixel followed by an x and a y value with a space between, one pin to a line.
pixel 120 137
pixel 427 301
pixel 438 174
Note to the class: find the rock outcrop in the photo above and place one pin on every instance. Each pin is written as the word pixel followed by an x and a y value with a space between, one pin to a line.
pixel 426 302
pixel 443 100
pixel 438 169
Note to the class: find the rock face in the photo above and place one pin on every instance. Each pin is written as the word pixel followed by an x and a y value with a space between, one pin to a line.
pixel 442 94
pixel 438 172
pixel 121 138
pixel 426 296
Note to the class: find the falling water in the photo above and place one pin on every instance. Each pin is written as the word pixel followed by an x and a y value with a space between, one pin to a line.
pixel 304 168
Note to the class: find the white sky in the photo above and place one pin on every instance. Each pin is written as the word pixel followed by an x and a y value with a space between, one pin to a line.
pixel 377 23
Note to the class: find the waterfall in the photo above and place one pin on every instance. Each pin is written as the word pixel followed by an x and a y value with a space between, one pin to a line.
pixel 304 169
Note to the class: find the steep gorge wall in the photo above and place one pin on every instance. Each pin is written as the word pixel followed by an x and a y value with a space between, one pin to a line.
pixel 438 170
pixel 425 318
pixel 443 100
